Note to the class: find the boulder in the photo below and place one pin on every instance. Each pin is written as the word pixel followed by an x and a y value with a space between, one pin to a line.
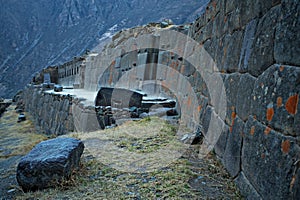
pixel 21 117
pixel 48 163
pixel 58 88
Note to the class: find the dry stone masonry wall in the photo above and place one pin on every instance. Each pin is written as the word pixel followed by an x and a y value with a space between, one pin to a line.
pixel 52 113
pixel 255 49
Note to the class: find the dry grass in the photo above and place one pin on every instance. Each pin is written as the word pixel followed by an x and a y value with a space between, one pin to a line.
pixel 140 146
pixel 141 160
pixel 17 138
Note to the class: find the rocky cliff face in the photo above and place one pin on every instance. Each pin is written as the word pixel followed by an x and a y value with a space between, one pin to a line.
pixel 36 34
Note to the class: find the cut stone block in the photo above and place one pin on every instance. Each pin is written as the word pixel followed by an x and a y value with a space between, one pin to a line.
pixel 48 163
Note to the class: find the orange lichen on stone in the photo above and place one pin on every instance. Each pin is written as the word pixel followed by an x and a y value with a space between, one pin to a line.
pixel 110 76
pixel 225 19
pixel 292 104
pixel 281 68
pixel 199 108
pixel 279 102
pixel 270 114
pixel 252 131
pixel 267 131
pixel 233 115
pixel 231 127
pixel 285 146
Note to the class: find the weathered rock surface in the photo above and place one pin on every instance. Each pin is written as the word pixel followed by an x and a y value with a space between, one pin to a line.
pixel 270 160
pixel 232 155
pixel 48 163
pixel 275 98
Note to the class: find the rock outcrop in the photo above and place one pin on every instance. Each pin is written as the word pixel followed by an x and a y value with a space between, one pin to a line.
pixel 49 163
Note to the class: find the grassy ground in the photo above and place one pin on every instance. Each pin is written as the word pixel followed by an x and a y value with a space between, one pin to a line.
pixel 16 140
pixel 142 160
pixel 138 160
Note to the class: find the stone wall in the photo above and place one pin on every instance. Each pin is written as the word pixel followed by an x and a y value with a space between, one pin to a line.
pixel 51 70
pixel 58 113
pixel 256 49
pixel 71 72
pixel 52 113
pixel 247 51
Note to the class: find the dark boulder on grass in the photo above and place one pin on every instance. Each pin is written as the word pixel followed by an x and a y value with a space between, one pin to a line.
pixel 48 163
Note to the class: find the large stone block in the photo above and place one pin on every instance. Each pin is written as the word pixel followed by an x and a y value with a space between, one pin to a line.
pixel 205 32
pixel 269 160
pixel 275 99
pixel 202 104
pixel 187 69
pixel 199 85
pixel 126 98
pixel 218 29
pixel 228 52
pixel 48 163
pixel 263 45
pixel 215 131
pixel 222 133
pixel 247 44
pixel 211 46
pixel 287 42
pixel 246 189
pixel 231 83
pixel 243 101
pixel 249 9
pixel 232 5
pixel 233 151
pixel 164 57
pixel 233 21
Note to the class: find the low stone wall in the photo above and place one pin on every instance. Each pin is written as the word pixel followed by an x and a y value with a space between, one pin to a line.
pixel 52 113
pixel 58 113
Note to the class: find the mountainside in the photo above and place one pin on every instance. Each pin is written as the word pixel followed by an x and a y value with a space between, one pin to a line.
pixel 36 34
